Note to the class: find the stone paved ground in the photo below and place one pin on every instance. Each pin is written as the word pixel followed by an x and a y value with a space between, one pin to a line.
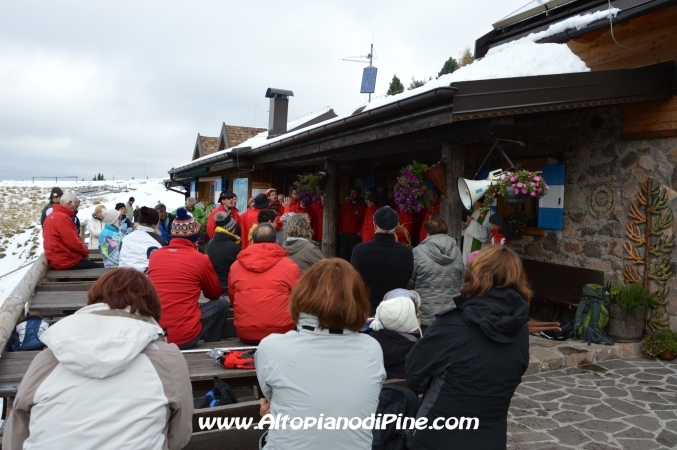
pixel 616 404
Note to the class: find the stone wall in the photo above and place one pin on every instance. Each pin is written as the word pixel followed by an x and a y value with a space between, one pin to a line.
pixel 589 142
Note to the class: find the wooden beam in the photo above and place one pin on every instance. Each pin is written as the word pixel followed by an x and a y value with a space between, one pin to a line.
pixel 451 208
pixel 331 199
pixel 378 145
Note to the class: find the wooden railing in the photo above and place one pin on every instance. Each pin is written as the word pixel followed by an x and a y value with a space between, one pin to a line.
pixel 23 293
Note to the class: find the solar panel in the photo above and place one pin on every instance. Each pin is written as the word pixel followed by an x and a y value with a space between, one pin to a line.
pixel 368 80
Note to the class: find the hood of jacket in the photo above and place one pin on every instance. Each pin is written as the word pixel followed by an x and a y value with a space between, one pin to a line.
pixel 295 245
pixel 261 257
pixel 221 234
pixel 97 342
pixel 58 207
pixel 500 314
pixel 441 248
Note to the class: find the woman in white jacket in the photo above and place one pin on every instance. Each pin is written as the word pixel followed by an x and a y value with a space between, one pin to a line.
pixel 108 379
pixel 138 245
pixel 95 226
pixel 324 369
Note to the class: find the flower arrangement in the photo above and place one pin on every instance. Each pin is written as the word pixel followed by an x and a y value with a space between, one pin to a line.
pixel 308 188
pixel 517 221
pixel 660 341
pixel 410 189
pixel 521 182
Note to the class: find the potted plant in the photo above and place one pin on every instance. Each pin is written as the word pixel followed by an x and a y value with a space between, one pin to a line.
pixel 308 189
pixel 517 221
pixel 627 311
pixel 661 343
pixel 411 190
pixel 515 188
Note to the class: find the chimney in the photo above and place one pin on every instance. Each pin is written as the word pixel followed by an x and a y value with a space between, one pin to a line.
pixel 279 107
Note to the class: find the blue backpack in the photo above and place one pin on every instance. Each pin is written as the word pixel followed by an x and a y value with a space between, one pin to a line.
pixel 26 335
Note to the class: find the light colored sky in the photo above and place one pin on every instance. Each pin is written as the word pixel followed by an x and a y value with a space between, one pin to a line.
pixel 88 87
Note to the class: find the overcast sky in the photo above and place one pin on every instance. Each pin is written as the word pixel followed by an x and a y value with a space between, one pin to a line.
pixel 91 86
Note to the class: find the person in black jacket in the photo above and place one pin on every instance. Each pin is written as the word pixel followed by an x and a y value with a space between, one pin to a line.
pixel 472 358
pixel 396 328
pixel 224 248
pixel 54 198
pixel 383 263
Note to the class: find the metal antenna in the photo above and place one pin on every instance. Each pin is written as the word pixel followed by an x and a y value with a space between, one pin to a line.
pixel 369 58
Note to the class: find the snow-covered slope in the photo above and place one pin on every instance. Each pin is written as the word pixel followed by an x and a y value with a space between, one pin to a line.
pixel 22 202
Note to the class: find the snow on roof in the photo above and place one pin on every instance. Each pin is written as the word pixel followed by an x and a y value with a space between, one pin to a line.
pixel 520 58
pixel 576 22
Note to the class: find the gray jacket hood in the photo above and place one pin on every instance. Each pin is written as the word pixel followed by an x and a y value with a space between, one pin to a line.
pixel 441 248
pixel 295 245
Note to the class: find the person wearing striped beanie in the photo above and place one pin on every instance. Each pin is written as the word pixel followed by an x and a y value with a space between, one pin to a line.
pixel 185 226
pixel 180 273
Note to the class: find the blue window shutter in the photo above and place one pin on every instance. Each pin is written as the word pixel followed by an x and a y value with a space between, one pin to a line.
pixel 218 185
pixel 551 207
pixel 193 189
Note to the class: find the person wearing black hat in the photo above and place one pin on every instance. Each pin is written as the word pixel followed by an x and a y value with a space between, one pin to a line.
pixel 251 217
pixel 224 248
pixel 54 198
pixel 125 223
pixel 227 201
pixel 383 263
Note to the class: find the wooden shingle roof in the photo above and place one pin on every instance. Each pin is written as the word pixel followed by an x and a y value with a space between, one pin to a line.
pixel 232 136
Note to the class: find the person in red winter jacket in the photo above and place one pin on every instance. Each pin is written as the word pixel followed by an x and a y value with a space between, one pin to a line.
pixel 351 218
pixel 435 199
pixel 373 203
pixel 63 248
pixel 227 201
pixel 251 217
pixel 259 285
pixel 179 272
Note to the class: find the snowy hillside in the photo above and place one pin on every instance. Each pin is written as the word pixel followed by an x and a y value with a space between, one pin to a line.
pixel 22 203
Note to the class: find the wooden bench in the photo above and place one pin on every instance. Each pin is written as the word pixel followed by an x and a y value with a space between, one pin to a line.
pixel 201 369
pixel 557 285
pixel 81 274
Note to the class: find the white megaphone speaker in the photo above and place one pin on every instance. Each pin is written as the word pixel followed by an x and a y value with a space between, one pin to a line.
pixel 472 190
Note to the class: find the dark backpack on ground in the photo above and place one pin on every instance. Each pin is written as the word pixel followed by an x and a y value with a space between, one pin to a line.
pixel 592 315
pixel 394 400
pixel 567 329
pixel 222 394
pixel 26 335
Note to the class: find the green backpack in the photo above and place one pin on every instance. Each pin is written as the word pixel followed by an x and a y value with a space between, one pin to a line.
pixel 592 315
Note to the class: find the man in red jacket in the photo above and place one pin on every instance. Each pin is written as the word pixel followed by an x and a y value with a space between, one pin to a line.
pixel 251 217
pixel 259 285
pixel 373 203
pixel 63 248
pixel 435 200
pixel 316 212
pixel 351 218
pixel 227 201
pixel 179 272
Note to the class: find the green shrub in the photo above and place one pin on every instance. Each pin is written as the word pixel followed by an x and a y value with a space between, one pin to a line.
pixel 630 297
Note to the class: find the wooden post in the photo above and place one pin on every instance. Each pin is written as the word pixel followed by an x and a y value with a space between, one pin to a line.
pixel 451 208
pixel 23 294
pixel 331 193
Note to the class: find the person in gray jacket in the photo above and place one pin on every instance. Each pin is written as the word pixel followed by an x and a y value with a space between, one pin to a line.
pixel 438 270
pixel 324 369
pixel 302 250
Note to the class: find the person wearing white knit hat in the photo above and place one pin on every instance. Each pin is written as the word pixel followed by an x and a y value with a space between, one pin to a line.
pixel 110 238
pixel 396 328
